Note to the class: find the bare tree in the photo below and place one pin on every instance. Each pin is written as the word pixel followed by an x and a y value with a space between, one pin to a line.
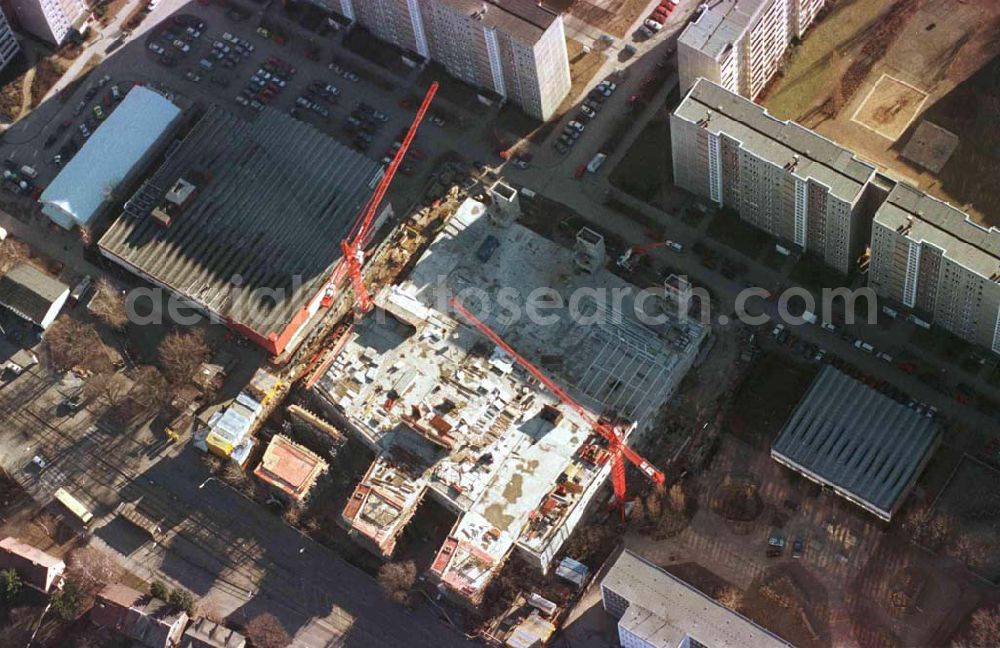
pixel 676 498
pixel 984 629
pixel 91 569
pixel 182 353
pixel 108 305
pixel 731 597
pixel 71 343
pixel 397 580
pixel 654 505
pixel 107 388
pixel 11 253
pixel 266 631
pixel 149 388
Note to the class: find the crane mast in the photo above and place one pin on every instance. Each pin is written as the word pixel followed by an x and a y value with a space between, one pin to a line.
pixel 616 445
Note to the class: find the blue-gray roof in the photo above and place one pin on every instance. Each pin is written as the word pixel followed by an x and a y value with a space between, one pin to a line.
pixel 866 446
pixel 112 151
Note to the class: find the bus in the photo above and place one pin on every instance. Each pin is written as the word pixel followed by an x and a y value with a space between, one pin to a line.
pixel 74 506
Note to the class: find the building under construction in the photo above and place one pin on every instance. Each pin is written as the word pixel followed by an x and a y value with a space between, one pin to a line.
pixel 453 416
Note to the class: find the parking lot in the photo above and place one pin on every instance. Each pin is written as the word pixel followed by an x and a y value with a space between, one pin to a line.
pixel 204 54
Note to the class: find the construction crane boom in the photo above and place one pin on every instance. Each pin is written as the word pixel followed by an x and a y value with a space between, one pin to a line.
pixel 616 445
pixel 352 247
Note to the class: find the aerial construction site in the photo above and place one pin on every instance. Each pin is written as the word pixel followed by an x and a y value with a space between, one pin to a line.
pixel 451 414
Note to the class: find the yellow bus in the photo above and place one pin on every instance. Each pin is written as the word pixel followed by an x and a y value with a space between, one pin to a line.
pixel 74 506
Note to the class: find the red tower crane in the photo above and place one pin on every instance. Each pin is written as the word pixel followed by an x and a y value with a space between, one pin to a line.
pixel 616 445
pixel 353 245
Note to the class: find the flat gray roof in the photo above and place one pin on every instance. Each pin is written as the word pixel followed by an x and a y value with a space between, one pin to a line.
pixel 867 446
pixel 938 223
pixel 720 26
pixel 720 111
pixel 525 20
pixel 273 199
pixel 663 610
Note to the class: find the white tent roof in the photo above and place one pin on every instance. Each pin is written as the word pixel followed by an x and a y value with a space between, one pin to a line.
pixel 108 156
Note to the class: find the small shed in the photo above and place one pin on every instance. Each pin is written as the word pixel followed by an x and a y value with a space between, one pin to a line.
pixel 36 568
pixel 32 295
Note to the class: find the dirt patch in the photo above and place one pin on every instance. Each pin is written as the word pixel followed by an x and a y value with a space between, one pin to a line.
pixel 890 107
pixel 792 603
pixel 972 500
pixel 611 16
pixel 738 501
pixel 947 50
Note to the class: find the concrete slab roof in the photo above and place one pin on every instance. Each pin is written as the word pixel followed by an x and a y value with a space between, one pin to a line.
pixel 108 156
pixel 663 610
pixel 781 143
pixel 927 219
pixel 524 20
pixel 866 446
pixel 720 25
pixel 454 416
pixel 260 233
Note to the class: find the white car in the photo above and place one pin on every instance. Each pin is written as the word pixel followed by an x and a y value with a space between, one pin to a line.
pixel 182 46
pixel 229 38
pixel 156 48
pixel 588 112
pixel 575 125
pixel 827 326
pixel 241 100
pixel 652 25
pixel 192 32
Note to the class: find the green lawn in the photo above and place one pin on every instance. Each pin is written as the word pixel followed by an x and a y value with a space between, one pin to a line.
pixel 646 169
pixel 808 74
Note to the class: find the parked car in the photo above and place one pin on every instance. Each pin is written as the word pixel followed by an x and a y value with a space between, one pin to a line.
pixel 241 100
pixel 797 546
pixel 156 48
pixel 575 125
pixel 182 46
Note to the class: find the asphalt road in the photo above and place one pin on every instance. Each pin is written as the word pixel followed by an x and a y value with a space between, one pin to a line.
pixel 236 556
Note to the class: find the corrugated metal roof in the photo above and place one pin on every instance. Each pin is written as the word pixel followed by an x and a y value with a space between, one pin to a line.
pixel 274 199
pixel 29 292
pixel 108 156
pixel 856 440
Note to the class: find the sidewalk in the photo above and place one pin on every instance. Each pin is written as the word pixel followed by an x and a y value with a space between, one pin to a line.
pixel 51 241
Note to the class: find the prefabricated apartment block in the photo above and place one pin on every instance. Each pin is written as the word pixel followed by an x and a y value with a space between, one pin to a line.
pixel 513 48
pixel 934 260
pixel 778 176
pixel 740 44
pixel 454 417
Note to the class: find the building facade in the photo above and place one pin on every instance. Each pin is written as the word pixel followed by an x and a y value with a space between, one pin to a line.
pixel 932 259
pixel 739 44
pixel 50 20
pixel 9 47
pixel 515 49
pixel 778 176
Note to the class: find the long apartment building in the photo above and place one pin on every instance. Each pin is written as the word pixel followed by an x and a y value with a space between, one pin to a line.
pixel 739 44
pixel 50 20
pixel 778 176
pixel 9 46
pixel 513 48
pixel 931 258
